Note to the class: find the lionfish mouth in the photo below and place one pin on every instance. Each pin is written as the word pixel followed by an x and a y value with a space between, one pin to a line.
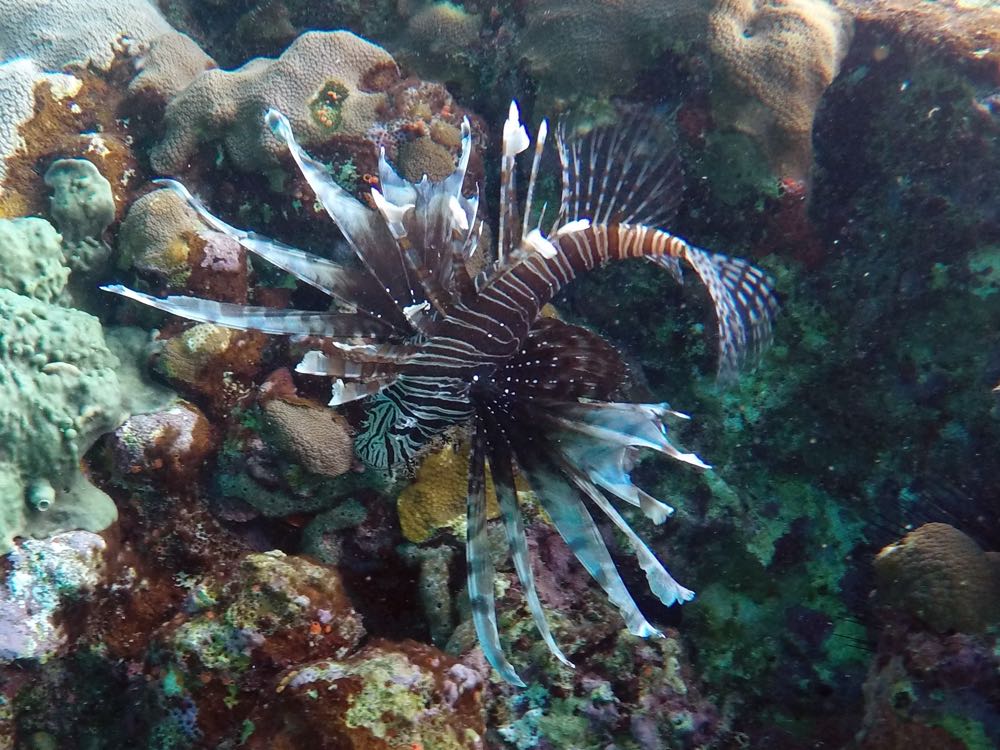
pixel 430 346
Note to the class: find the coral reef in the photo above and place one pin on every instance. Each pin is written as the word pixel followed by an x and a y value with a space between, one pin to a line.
pixel 226 105
pixel 59 33
pixel 967 31
pixel 600 42
pixel 42 576
pixel 781 55
pixel 941 576
pixel 58 394
pixel 18 80
pixel 384 696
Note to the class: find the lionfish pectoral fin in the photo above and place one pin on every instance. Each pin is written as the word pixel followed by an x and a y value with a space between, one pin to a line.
pixel 661 583
pixel 672 264
pixel 503 480
pixel 480 565
pixel 572 520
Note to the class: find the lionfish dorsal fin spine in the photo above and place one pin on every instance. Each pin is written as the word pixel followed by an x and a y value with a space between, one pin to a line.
pixel 370 237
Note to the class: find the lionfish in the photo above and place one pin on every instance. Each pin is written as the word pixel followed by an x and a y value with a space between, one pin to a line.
pixel 430 346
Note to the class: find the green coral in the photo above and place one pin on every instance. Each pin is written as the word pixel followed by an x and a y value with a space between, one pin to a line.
pixel 32 259
pixel 83 206
pixel 59 392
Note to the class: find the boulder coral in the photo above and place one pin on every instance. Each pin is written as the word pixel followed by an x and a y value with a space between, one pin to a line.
pixel 58 394
pixel 327 83
pixel 318 437
pixel 779 56
pixel 941 576
pixel 165 242
pixel 59 33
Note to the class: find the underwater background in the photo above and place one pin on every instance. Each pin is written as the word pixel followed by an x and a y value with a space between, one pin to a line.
pixel 195 556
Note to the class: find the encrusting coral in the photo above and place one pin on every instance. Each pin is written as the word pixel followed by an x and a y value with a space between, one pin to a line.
pixel 941 576
pixel 58 394
pixel 780 55
pixel 436 497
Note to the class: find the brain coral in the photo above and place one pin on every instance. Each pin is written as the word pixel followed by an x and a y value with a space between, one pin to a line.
pixel 779 56
pixel 327 83
pixel 57 33
pixel 318 437
pixel 942 577
pixel 58 394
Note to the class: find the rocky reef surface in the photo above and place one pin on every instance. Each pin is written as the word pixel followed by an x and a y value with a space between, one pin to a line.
pixel 195 558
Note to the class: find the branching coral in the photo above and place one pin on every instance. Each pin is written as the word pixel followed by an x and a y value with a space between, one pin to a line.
pixel 779 55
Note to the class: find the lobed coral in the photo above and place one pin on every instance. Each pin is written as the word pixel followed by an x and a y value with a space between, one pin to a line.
pixel 780 56
pixel 941 576
pixel 31 251
pixel 172 61
pixel 58 394
pixel 227 105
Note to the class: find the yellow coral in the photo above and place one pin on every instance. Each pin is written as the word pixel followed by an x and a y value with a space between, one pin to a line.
pixel 436 498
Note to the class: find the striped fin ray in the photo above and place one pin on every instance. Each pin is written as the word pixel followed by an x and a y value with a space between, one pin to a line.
pixel 744 302
pixel 514 141
pixel 480 566
pixel 627 173
pixel 370 234
pixel 501 467
pixel 661 583
pixel 572 520
pixel 264 319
